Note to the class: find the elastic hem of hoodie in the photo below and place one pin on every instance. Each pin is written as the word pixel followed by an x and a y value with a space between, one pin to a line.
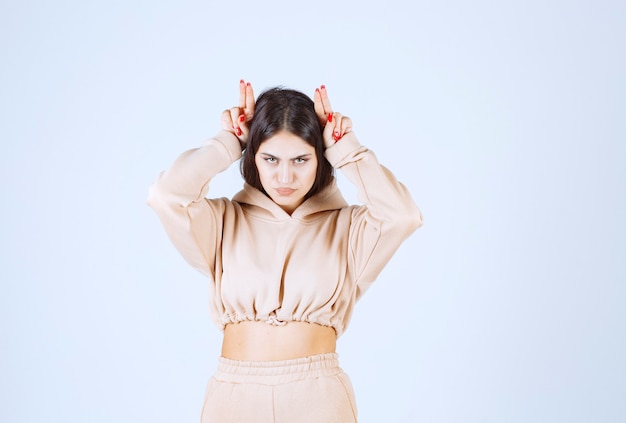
pixel 273 318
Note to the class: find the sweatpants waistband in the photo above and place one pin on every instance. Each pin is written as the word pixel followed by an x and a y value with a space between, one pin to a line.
pixel 276 372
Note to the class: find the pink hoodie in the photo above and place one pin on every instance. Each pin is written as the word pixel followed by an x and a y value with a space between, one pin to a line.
pixel 266 265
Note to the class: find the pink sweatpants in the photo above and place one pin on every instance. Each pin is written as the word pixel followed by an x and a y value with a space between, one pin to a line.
pixel 304 390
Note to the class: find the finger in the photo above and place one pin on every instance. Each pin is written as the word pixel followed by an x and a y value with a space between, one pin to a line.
pixel 227 122
pixel 235 116
pixel 244 129
pixel 322 104
pixel 338 119
pixel 242 93
pixel 329 129
pixel 319 107
pixel 249 102
pixel 346 125
pixel 325 100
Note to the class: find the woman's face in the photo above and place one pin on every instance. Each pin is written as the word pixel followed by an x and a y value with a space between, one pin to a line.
pixel 287 168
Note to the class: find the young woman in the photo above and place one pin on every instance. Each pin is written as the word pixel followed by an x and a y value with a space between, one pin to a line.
pixel 286 258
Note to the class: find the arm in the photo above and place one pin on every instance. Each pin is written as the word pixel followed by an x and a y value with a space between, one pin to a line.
pixel 192 222
pixel 388 214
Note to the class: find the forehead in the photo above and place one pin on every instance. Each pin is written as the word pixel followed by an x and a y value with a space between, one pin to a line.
pixel 285 144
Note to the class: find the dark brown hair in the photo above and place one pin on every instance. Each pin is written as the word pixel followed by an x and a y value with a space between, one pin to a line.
pixel 281 109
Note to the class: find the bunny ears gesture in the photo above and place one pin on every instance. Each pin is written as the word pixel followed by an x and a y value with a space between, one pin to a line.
pixel 335 124
pixel 236 119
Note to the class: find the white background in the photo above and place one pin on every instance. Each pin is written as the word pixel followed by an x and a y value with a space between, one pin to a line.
pixel 506 120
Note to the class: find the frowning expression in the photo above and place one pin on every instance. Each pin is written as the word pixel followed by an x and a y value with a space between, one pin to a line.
pixel 287 167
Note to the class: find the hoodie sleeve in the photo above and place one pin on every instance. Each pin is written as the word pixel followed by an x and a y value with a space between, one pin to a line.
pixel 193 223
pixel 388 214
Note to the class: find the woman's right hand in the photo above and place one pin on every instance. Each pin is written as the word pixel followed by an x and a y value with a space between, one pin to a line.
pixel 236 119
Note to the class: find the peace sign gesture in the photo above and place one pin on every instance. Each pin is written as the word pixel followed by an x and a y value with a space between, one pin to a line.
pixel 335 124
pixel 322 104
pixel 236 119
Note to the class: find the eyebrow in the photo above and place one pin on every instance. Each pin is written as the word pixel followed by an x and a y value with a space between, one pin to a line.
pixel 301 156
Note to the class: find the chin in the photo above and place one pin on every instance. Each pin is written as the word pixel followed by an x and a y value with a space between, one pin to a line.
pixel 289 206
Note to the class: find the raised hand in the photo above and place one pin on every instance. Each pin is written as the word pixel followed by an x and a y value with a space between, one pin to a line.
pixel 335 124
pixel 236 118
pixel 322 104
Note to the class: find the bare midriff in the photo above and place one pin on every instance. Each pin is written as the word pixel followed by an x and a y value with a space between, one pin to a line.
pixel 260 341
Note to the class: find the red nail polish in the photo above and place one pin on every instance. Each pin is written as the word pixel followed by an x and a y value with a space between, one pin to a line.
pixel 330 117
pixel 238 131
pixel 248 84
pixel 336 137
pixel 242 118
pixel 241 81
pixel 323 87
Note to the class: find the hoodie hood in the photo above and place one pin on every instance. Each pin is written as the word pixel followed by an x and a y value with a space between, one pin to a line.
pixel 329 198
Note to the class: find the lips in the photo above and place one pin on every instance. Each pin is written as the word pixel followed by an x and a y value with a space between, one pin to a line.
pixel 285 191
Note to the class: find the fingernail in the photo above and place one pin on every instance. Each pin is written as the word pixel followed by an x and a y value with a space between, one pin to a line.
pixel 248 84
pixel 323 87
pixel 242 118
pixel 330 117
pixel 241 81
pixel 336 136
pixel 238 131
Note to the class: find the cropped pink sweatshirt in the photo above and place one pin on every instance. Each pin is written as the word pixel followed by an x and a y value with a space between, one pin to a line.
pixel 266 265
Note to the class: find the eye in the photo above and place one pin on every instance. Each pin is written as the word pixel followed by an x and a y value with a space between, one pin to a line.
pixel 300 160
pixel 271 159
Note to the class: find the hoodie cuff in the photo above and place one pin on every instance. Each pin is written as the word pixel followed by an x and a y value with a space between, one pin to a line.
pixel 231 144
pixel 338 153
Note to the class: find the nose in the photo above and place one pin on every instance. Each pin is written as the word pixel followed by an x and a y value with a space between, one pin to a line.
pixel 285 174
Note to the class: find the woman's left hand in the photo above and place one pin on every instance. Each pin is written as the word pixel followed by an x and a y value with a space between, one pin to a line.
pixel 322 104
pixel 336 127
pixel 335 124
